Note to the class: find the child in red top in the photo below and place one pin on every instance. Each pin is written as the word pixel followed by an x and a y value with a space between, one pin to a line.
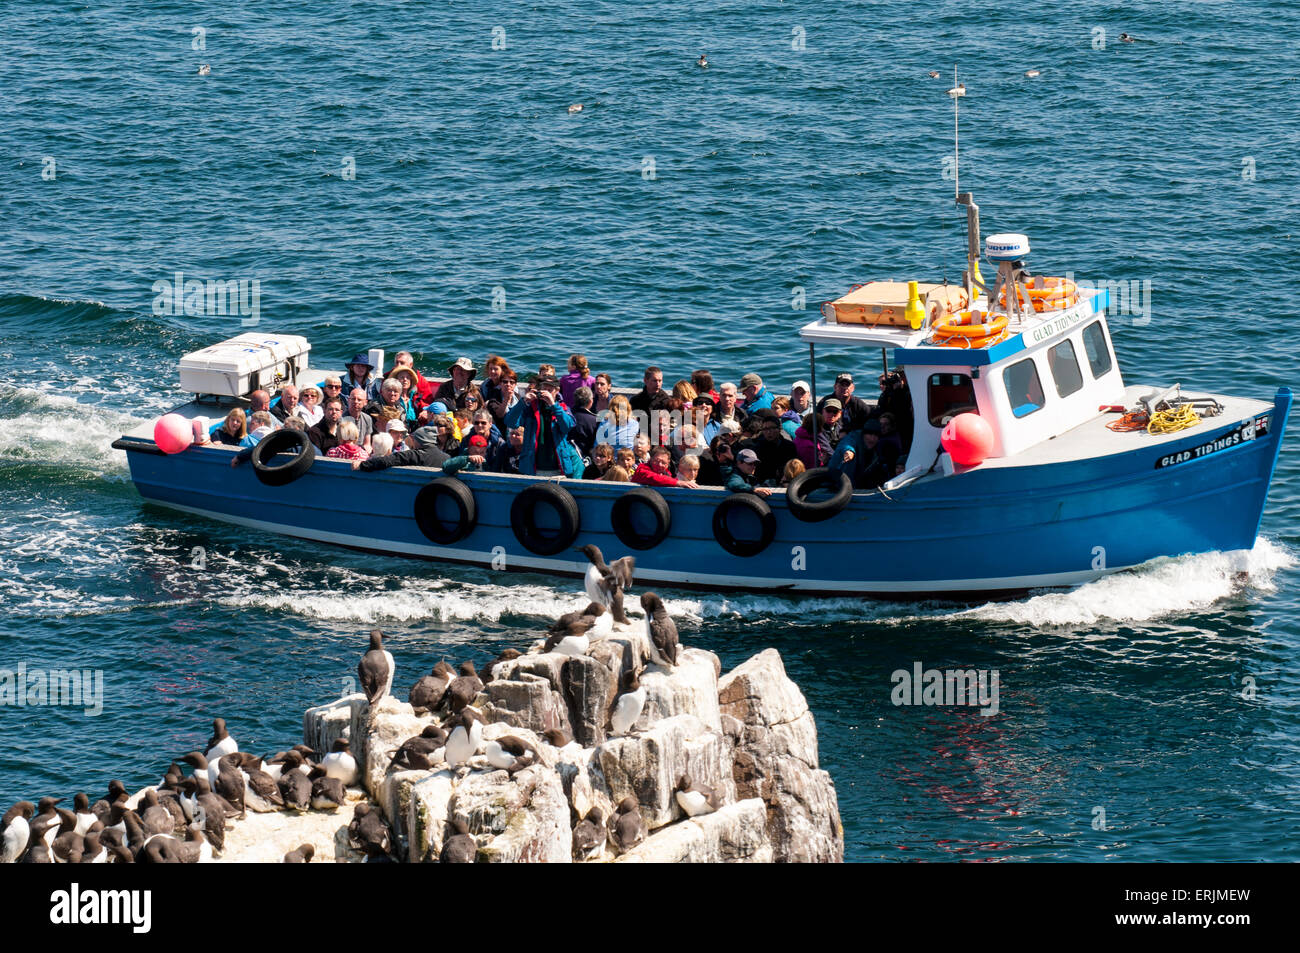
pixel 658 472
pixel 348 448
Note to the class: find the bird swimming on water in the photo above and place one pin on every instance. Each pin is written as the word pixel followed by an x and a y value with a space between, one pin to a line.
pixel 702 62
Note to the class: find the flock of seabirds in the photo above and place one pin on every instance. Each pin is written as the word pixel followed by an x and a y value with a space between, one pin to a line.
pixel 182 819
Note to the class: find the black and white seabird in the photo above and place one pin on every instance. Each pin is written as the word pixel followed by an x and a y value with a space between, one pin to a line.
pixel 627 827
pixel 573 633
pixel 510 753
pixel 67 846
pixel 156 818
pixel 465 739
pixel 302 854
pixel 15 831
pixel 375 669
pixel 294 785
pixel 661 630
pixel 464 688
pixel 116 791
pixel 230 782
pixel 507 655
pixel 220 744
pixel 696 799
pixel 605 583
pixel 370 833
pixel 327 794
pixel 340 763
pixel 45 825
pixel 427 693
pixel 460 847
pixel 628 706
pixel 85 816
pixel 423 751
pixel 933 74
pixel 589 836
pixel 95 852
pixel 702 62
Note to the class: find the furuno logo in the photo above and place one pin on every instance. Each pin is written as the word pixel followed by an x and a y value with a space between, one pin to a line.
pixel 75 906
pixel 932 686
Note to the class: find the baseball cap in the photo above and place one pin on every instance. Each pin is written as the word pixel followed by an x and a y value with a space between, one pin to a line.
pixel 747 456
pixel 801 385
pixel 751 380
pixel 477 441
pixel 396 425
pixel 846 377
pixel 705 398
pixel 729 426
pixel 833 402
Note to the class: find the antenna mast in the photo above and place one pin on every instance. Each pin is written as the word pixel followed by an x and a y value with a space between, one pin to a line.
pixel 956 93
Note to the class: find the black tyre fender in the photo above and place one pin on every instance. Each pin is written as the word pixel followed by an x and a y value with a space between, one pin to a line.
pixel 818 478
pixel 523 520
pixel 757 506
pixel 426 511
pixel 620 518
pixel 283 441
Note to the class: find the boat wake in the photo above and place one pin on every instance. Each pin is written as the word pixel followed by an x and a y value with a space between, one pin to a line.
pixel 61 430
pixel 1164 587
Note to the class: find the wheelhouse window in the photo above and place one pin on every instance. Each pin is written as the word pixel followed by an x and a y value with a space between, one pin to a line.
pixel 1065 369
pixel 1023 388
pixel 1098 351
pixel 950 395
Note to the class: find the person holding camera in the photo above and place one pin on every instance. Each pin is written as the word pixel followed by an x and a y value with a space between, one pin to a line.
pixel 546 422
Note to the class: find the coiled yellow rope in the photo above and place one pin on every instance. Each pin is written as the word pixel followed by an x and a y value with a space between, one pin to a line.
pixel 1172 421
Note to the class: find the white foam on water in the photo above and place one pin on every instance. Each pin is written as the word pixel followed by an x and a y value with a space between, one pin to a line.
pixel 1167 586
pixel 54 428
pixel 439 601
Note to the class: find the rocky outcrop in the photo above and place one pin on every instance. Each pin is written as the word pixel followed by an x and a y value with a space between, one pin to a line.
pixel 734 834
pixel 775 759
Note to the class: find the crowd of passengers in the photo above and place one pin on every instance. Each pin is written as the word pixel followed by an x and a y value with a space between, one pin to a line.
pixel 741 437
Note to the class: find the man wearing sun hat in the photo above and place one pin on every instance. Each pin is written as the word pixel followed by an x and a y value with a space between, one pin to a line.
pixel 453 392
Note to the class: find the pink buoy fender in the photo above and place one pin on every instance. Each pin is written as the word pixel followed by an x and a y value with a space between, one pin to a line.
pixel 173 433
pixel 968 439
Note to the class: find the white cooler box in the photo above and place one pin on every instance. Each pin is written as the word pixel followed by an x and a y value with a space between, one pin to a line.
pixel 250 362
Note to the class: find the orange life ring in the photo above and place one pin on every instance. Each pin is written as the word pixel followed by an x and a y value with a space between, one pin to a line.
pixel 1045 294
pixel 974 328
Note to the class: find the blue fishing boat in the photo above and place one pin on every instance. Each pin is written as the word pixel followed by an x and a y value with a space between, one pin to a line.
pixel 1041 488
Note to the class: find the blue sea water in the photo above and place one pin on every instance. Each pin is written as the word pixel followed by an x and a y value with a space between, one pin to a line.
pixel 678 219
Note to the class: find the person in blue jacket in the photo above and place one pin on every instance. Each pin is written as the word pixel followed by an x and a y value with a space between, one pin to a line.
pixel 546 422
pixel 757 397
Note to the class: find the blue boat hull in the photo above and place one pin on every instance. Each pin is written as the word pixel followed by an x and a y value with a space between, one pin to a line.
pixel 987 530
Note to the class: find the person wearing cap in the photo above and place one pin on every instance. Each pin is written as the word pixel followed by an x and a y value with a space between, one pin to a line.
pixel 657 471
pixel 547 450
pixel 801 398
pixel 400 434
pixel 700 414
pixel 856 410
pixel 361 374
pixel 453 392
pixel 425 455
pixel 325 435
pixel 744 477
pixel 729 406
pixel 896 398
pixel 772 448
pixel 828 435
pixel 652 384
pixel 867 461
pixel 756 395
pixel 475 457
